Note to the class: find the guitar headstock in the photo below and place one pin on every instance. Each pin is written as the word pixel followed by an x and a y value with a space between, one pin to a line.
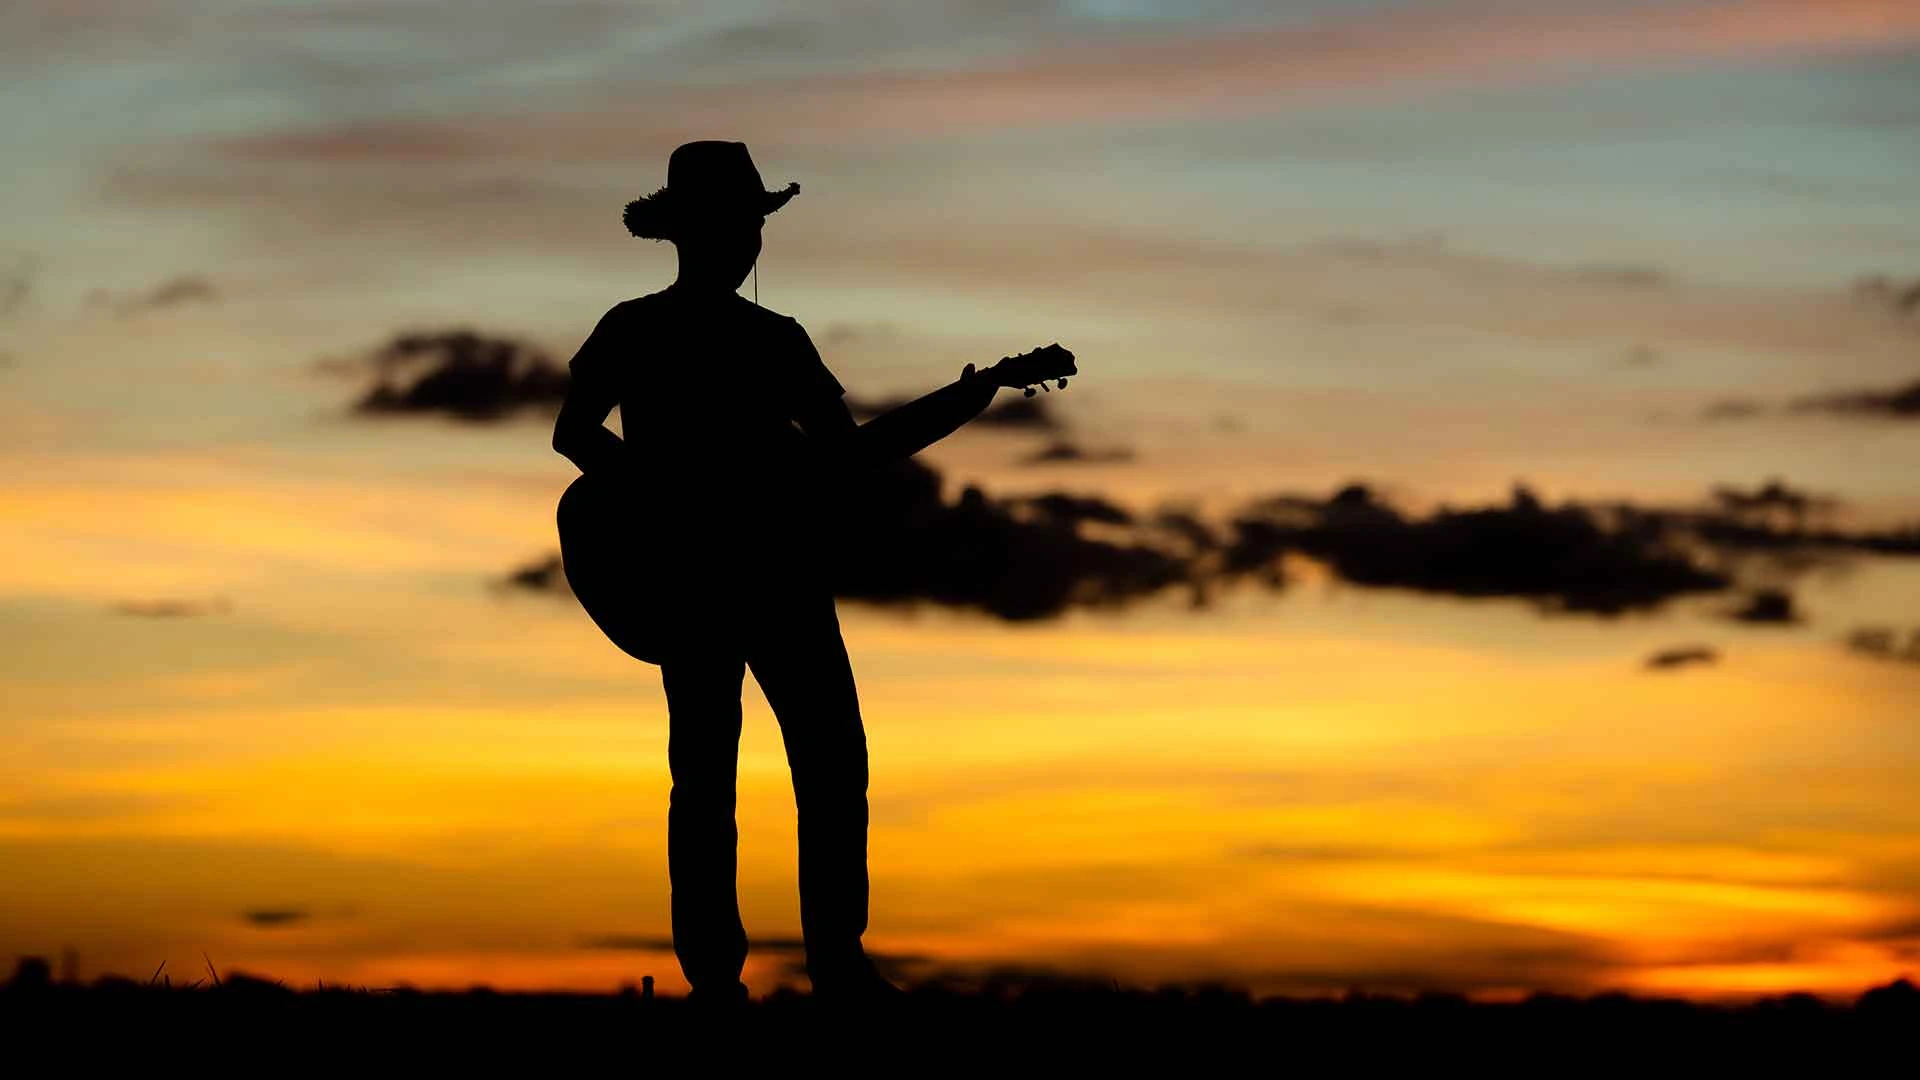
pixel 1036 367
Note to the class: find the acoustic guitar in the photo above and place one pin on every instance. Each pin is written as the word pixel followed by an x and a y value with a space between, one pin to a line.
pixel 614 557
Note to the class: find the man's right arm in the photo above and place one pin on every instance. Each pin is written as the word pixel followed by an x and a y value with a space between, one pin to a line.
pixel 580 432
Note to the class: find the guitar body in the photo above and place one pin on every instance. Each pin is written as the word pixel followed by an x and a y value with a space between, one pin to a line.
pixel 620 569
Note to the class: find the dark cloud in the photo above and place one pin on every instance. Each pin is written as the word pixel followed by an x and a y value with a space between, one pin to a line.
pixel 16 284
pixel 1567 558
pixel 1900 297
pixel 1771 501
pixel 1683 656
pixel 1899 402
pixel 1068 509
pixel 1065 452
pixel 1774 520
pixel 274 918
pixel 464 374
pixel 1885 643
pixel 177 291
pixel 541 574
pixel 900 539
pixel 1187 527
pixel 1768 607
pixel 1742 533
pixel 1016 559
pixel 181 291
pixel 172 608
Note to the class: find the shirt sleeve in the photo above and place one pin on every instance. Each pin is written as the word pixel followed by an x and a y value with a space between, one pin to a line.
pixel 809 383
pixel 590 369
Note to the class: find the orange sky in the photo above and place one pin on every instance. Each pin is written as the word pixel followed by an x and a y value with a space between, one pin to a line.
pixel 1440 247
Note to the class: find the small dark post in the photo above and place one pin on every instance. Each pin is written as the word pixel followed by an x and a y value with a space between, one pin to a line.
pixel 646 988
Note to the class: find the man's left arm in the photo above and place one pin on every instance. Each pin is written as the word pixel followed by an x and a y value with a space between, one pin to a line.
pixel 822 413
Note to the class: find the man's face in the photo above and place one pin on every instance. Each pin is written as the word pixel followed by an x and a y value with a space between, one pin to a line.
pixel 728 249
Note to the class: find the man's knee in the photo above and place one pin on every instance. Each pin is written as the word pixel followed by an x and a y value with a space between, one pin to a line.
pixel 826 765
pixel 831 794
pixel 702 798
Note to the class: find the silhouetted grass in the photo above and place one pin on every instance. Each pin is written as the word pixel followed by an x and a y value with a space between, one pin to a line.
pixel 1070 1029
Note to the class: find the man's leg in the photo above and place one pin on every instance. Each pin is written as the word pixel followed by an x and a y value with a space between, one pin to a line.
pixel 801 664
pixel 703 753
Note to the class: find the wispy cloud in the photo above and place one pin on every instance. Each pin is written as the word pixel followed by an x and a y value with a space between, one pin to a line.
pixel 1683 656
pixel 1886 643
pixel 275 918
pixel 16 283
pixel 181 291
pixel 1237 71
pixel 172 607
pixel 1899 402
pixel 1067 452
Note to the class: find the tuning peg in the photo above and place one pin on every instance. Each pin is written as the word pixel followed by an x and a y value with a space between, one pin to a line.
pixel 1030 391
pixel 1062 384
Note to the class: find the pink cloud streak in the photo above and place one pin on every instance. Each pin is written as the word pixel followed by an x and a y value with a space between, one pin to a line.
pixel 1247 71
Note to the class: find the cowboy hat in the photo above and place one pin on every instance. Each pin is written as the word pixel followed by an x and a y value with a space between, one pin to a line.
pixel 706 181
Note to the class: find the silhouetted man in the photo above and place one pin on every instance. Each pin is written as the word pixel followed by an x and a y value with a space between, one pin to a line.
pixel 713 560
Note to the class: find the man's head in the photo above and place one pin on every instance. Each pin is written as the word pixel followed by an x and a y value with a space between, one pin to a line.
pixel 712 209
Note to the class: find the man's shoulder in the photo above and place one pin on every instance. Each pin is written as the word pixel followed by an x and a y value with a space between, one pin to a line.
pixel 764 316
pixel 740 306
pixel 637 314
pixel 636 306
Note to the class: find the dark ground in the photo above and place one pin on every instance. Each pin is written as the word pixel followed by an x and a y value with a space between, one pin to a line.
pixel 259 1025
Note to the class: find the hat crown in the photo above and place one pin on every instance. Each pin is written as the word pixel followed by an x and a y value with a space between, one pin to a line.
pixel 706 181
pixel 713 170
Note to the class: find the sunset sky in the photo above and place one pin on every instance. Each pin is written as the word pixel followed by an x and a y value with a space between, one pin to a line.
pixel 268 692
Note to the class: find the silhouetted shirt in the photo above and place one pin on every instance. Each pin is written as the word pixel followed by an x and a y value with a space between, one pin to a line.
pixel 710 390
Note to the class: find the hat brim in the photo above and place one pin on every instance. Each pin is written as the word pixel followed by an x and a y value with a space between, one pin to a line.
pixel 656 216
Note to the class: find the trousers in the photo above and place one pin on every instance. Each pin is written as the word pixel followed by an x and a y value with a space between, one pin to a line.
pixel 792 644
